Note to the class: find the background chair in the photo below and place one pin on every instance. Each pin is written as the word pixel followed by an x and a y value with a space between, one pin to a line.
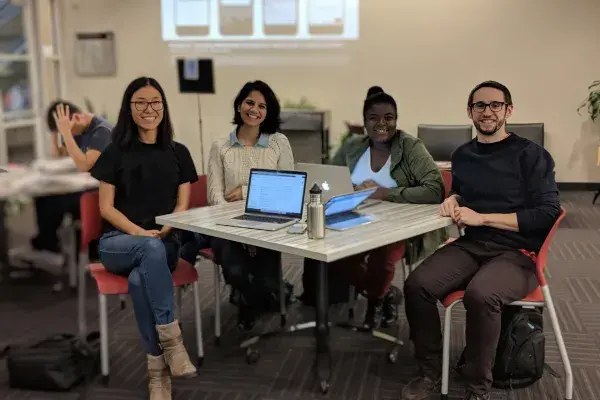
pixel 442 140
pixel 533 132
pixel 540 297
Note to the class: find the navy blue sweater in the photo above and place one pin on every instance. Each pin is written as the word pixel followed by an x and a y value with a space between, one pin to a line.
pixel 514 175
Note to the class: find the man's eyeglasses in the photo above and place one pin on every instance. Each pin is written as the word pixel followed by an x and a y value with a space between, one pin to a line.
pixel 494 106
pixel 143 105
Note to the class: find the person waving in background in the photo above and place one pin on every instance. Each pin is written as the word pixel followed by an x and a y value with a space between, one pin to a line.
pixel 143 173
pixel 84 136
pixel 255 142
pixel 400 168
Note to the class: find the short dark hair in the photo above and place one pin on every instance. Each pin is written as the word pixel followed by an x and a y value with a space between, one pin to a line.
pixel 374 90
pixel 378 98
pixel 125 131
pixel 493 85
pixel 52 107
pixel 272 120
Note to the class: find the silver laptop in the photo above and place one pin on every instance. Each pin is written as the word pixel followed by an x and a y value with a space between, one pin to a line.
pixel 275 200
pixel 341 211
pixel 332 179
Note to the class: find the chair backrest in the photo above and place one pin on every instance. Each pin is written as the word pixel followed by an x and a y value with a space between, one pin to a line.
pixel 542 256
pixel 91 221
pixel 533 132
pixel 198 196
pixel 442 140
pixel 447 177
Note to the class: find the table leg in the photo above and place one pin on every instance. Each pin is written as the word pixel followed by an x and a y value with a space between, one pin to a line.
pixel 323 356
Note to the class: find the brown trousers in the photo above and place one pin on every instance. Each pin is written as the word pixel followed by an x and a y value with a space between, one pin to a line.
pixel 491 276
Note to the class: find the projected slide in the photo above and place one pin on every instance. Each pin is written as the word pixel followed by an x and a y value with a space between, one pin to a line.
pixel 259 20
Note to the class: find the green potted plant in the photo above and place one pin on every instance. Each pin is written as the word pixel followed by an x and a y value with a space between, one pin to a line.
pixel 592 101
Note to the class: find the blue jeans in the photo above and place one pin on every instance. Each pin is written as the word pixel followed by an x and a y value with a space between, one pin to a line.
pixel 147 262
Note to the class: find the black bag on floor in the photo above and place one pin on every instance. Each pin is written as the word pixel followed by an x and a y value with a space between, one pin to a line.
pixel 521 349
pixel 56 363
pixel 339 290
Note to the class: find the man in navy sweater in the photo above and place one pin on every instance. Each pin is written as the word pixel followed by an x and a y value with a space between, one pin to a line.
pixel 505 196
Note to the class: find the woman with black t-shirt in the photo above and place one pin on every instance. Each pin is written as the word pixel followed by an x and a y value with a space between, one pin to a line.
pixel 143 173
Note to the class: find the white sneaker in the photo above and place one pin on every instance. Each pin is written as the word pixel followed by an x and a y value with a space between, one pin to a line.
pixel 41 258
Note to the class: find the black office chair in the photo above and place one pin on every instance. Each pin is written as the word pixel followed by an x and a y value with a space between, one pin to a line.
pixel 533 132
pixel 442 140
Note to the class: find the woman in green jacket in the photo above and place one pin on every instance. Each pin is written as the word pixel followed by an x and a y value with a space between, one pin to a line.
pixel 403 171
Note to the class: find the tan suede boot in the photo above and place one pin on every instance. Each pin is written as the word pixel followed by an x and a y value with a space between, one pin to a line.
pixel 175 353
pixel 159 381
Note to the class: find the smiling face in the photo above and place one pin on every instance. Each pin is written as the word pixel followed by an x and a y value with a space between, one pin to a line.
pixel 147 108
pixel 489 110
pixel 253 109
pixel 380 122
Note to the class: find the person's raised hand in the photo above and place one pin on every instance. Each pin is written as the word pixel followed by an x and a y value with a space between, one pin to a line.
pixel 62 118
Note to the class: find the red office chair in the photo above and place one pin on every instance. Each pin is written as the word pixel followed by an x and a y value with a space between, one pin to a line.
pixel 447 177
pixel 111 284
pixel 540 297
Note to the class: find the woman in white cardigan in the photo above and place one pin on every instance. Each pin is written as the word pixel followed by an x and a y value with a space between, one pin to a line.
pixel 252 272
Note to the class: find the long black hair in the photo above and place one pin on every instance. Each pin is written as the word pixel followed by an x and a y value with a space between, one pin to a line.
pixel 272 120
pixel 126 130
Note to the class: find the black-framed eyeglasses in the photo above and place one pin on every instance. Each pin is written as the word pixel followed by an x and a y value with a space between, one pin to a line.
pixel 156 105
pixel 494 106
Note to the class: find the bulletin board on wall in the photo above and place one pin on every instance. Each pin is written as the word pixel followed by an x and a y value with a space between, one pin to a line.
pixel 95 54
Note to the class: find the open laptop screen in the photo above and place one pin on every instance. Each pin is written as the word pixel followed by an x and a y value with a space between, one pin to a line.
pixel 346 202
pixel 276 192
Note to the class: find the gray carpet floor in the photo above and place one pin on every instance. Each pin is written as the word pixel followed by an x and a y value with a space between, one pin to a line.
pixel 28 309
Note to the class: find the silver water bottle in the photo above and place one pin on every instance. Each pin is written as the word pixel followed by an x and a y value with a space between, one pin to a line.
pixel 315 214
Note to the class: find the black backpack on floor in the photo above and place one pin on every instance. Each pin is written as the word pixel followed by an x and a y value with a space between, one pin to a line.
pixel 56 363
pixel 521 349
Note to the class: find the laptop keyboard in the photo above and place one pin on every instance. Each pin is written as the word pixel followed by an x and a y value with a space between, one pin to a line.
pixel 343 217
pixel 259 218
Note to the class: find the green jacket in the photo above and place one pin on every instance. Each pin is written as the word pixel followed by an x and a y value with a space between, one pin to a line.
pixel 418 178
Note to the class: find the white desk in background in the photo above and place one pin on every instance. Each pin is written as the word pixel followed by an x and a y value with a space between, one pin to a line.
pixel 21 181
pixel 395 223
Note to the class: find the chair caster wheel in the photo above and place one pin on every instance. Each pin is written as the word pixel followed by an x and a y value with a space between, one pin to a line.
pixel 105 379
pixel 393 356
pixel 217 340
pixel 200 361
pixel 324 384
pixel 283 321
pixel 351 314
pixel 252 356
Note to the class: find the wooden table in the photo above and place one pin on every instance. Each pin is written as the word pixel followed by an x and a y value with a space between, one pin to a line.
pixel 395 223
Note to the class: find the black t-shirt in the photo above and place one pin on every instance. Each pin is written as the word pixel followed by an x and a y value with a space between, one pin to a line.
pixel 513 175
pixel 146 178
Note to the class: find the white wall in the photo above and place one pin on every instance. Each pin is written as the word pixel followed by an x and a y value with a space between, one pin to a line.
pixel 427 53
